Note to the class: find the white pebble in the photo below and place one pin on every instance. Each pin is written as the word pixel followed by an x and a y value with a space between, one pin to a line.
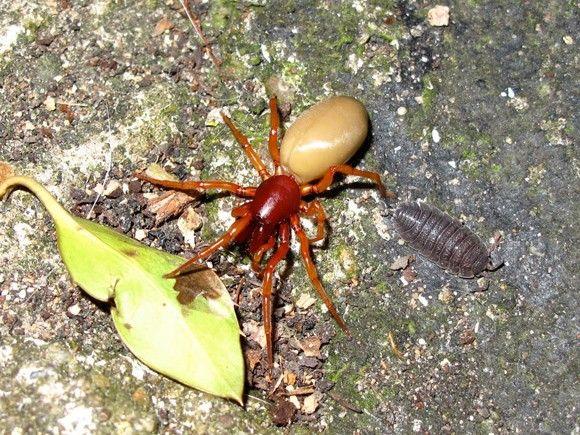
pixel 435 135
pixel 140 234
pixel 438 16
pixel 74 309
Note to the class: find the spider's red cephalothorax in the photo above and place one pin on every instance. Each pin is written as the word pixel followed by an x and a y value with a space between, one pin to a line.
pixel 265 222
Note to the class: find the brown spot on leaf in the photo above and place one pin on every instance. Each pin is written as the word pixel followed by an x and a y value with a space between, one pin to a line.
pixel 129 252
pixel 127 325
pixel 198 279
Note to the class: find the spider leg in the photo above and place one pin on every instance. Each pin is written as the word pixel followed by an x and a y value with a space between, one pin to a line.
pixel 243 141
pixel 236 228
pixel 241 210
pixel 315 209
pixel 237 190
pixel 257 257
pixel 311 269
pixel 278 256
pixel 328 177
pixel 274 131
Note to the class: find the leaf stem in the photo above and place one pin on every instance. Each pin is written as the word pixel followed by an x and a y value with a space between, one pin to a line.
pixel 58 213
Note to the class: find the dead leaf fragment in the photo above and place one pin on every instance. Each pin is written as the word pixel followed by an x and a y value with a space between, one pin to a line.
pixel 311 346
pixel 409 274
pixel 438 16
pixel 162 25
pixel 467 337
pixel 254 331
pixel 311 403
pixel 400 262
pixel 289 378
pixel 6 171
pixel 283 412
pixel 168 205
pixel 305 301
pixel 156 171
pixel 446 295
pixel 253 357
pixel 302 391
pixel 113 189
pixel 68 112
pixel 188 223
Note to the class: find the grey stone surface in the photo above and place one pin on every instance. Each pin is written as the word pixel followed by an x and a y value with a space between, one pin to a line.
pixel 478 118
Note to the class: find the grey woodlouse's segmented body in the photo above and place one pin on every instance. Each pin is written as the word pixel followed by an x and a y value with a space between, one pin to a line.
pixel 442 239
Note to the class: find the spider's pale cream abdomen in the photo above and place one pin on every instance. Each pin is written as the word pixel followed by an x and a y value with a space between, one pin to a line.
pixel 327 134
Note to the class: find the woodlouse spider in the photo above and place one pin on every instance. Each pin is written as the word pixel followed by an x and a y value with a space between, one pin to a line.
pixel 315 147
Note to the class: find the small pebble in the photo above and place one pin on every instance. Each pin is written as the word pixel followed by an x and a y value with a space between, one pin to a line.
pixel 438 16
pixel 74 309
pixel 435 135
pixel 50 104
pixel 568 40
pixel 134 186
pixel 113 189
pixel 140 234
pixel 401 111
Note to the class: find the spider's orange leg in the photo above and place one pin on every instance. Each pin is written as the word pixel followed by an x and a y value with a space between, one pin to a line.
pixel 243 141
pixel 311 269
pixel 274 132
pixel 228 237
pixel 328 177
pixel 278 256
pixel 237 190
pixel 241 210
pixel 315 209
pixel 257 257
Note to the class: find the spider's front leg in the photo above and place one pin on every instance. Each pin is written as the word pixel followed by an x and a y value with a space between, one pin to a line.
pixel 228 237
pixel 185 186
pixel 257 257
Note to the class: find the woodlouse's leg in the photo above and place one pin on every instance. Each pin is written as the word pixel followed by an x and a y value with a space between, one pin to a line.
pixel 311 269
pixel 243 141
pixel 237 190
pixel 315 209
pixel 228 237
pixel 328 177
pixel 494 265
pixel 257 257
pixel 274 132
pixel 278 256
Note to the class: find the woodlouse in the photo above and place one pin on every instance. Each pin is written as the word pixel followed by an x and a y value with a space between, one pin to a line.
pixel 442 239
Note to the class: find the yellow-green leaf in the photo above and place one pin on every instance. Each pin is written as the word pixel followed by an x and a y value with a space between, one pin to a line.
pixel 194 340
